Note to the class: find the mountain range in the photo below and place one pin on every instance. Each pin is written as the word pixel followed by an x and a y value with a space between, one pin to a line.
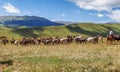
pixel 34 21
pixel 67 22
pixel 28 21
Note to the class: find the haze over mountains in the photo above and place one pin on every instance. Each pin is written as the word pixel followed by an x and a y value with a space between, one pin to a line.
pixel 67 22
pixel 28 21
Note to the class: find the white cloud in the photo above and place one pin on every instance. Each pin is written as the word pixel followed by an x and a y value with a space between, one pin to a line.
pixel 115 15
pixel 98 5
pixel 100 15
pixel 63 15
pixel 53 20
pixel 27 12
pixel 92 14
pixel 103 22
pixel 11 8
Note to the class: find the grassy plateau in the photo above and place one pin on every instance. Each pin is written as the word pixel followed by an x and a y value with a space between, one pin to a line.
pixel 63 57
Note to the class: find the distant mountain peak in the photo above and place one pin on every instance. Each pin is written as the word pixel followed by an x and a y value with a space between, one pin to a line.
pixel 112 23
pixel 29 21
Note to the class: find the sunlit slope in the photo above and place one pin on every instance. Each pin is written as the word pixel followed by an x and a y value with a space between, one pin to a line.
pixel 86 29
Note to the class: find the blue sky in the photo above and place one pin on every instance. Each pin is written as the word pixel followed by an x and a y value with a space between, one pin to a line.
pixel 98 11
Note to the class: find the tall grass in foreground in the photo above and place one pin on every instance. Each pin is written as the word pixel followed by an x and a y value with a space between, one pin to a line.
pixel 61 58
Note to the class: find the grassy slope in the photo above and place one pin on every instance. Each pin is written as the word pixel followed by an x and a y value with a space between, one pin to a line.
pixel 61 58
pixel 83 29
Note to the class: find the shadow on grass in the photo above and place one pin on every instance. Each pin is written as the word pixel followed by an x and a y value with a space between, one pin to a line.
pixel 27 32
pixel 111 28
pixel 78 29
pixel 96 30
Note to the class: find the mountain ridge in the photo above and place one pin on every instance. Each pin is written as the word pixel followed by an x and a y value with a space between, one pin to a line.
pixel 29 21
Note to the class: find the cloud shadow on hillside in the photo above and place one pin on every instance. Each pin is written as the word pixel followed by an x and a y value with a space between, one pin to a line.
pixel 27 32
pixel 96 31
pixel 110 28
pixel 77 29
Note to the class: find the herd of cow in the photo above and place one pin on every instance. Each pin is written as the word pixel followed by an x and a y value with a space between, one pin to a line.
pixel 55 40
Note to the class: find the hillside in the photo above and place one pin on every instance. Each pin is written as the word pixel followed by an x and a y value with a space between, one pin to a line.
pixel 28 21
pixel 83 29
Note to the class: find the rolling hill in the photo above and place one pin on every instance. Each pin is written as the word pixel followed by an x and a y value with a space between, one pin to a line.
pixel 28 21
pixel 86 29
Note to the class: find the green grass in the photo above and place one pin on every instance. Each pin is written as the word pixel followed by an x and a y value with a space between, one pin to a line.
pixel 62 58
pixel 78 29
